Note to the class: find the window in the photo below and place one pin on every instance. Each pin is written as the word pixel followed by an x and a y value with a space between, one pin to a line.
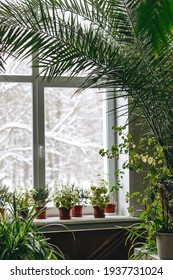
pixel 73 135
pixel 47 133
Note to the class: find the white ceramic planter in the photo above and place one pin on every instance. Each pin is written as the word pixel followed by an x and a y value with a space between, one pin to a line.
pixel 165 245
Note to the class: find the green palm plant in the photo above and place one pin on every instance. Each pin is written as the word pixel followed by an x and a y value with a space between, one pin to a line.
pixel 155 18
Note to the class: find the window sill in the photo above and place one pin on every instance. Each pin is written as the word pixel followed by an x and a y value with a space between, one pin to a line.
pixel 87 222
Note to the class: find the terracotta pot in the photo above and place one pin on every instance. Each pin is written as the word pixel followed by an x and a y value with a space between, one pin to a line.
pixel 98 213
pixel 165 245
pixel 42 214
pixel 2 212
pixel 76 211
pixel 64 213
pixel 110 208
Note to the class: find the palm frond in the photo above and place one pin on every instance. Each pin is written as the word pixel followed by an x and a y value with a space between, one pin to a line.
pixel 155 19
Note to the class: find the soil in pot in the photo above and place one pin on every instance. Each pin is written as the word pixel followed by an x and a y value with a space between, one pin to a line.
pixel 42 214
pixel 98 213
pixel 76 211
pixel 64 213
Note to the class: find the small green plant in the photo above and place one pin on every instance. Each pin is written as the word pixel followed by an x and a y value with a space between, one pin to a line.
pixel 99 193
pixel 65 195
pixel 41 195
pixel 24 197
pixel 82 195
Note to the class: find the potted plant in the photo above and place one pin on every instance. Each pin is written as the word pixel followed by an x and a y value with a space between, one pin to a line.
pixel 24 200
pixel 148 157
pixel 41 198
pixel 157 198
pixel 112 207
pixel 82 196
pixel 4 198
pixel 65 198
pixel 20 239
pixel 99 197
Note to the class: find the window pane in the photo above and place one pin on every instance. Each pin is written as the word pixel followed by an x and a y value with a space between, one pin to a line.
pixel 18 67
pixel 74 135
pixel 15 134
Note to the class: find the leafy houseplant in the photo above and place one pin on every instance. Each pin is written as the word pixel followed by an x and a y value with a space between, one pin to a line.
pixel 65 198
pixel 99 197
pixel 82 196
pixel 24 199
pixel 41 198
pixel 20 238
pixel 148 157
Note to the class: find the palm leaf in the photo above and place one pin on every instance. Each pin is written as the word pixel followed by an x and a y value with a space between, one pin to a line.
pixel 156 21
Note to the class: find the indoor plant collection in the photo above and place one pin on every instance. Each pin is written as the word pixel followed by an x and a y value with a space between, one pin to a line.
pixel 66 197
pixel 126 59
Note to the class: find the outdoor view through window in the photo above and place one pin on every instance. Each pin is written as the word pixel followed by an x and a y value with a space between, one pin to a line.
pixel 73 131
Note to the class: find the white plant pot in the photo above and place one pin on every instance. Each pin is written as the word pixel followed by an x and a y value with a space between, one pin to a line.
pixel 165 245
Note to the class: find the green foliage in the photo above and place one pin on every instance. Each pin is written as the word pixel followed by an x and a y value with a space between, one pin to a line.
pixel 65 195
pixel 24 197
pixel 41 195
pixel 99 193
pixel 20 239
pixel 156 22
pixel 82 195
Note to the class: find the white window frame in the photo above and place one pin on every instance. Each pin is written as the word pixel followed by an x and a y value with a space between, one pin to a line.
pixel 38 138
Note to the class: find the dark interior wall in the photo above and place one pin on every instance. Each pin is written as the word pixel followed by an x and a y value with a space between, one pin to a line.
pixel 104 244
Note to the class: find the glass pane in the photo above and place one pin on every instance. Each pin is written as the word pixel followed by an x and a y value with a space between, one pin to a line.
pixel 73 135
pixel 15 134
pixel 18 67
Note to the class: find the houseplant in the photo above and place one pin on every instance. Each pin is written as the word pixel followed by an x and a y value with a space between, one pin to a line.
pixel 41 198
pixel 4 198
pixel 82 196
pixel 23 195
pixel 112 206
pixel 99 197
pixel 157 198
pixel 20 238
pixel 65 198
pixel 147 157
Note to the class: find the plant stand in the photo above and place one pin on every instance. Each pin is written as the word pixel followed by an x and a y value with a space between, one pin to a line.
pixel 98 213
pixel 64 213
